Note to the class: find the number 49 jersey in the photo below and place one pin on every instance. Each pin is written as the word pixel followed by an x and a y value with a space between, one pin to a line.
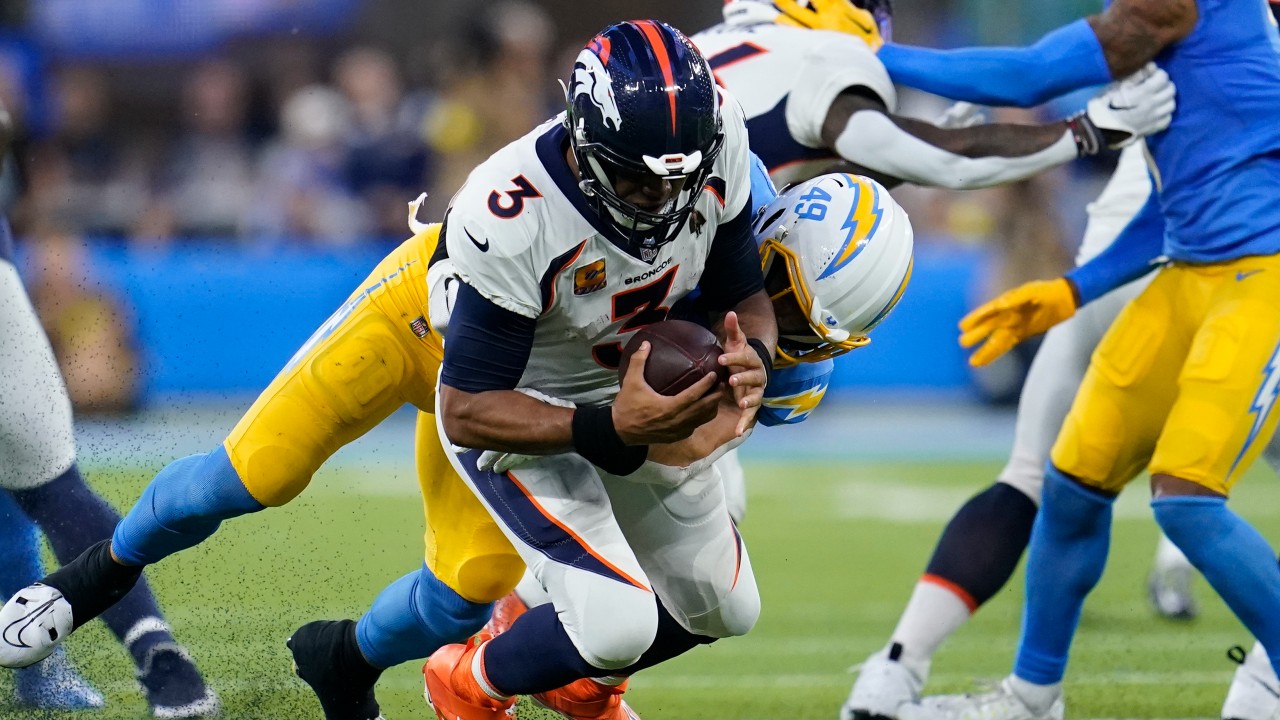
pixel 523 234
pixel 786 79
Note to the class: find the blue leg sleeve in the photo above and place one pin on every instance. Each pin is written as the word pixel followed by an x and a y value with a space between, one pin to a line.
pixel 1235 559
pixel 181 507
pixel 414 617
pixel 1068 551
pixel 20 547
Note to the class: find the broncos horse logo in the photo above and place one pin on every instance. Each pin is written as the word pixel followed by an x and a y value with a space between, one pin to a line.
pixel 591 79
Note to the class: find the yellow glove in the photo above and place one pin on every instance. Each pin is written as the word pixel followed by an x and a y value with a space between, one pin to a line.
pixel 835 15
pixel 1016 315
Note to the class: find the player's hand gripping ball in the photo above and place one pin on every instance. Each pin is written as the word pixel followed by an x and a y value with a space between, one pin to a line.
pixel 680 354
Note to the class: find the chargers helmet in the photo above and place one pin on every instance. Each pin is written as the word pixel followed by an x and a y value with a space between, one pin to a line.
pixel 642 101
pixel 855 17
pixel 846 248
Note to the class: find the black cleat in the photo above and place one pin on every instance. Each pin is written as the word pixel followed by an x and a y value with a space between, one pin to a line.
pixel 327 657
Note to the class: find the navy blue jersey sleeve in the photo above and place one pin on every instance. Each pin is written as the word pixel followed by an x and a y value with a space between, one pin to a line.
pixel 733 265
pixel 1067 59
pixel 488 346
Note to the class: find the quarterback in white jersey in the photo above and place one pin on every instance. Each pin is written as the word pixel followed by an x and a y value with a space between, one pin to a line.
pixel 566 242
pixel 818 99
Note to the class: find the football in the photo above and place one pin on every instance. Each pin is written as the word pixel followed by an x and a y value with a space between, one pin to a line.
pixel 680 354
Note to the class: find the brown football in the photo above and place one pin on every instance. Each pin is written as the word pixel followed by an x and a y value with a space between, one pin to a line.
pixel 681 353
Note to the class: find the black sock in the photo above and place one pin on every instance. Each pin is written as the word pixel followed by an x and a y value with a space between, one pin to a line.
pixel 93 582
pixel 981 546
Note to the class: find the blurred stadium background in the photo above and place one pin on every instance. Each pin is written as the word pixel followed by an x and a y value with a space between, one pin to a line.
pixel 198 183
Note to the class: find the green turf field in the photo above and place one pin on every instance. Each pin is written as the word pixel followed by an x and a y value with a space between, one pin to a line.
pixel 834 573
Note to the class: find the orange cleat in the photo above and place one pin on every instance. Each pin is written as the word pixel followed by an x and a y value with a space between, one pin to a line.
pixel 452 690
pixel 587 699
pixel 505 611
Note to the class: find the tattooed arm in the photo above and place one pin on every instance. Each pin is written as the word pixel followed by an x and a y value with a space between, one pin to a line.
pixel 1132 32
pixel 1087 52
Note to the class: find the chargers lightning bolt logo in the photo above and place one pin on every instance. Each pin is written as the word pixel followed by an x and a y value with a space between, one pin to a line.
pixel 864 218
pixel 798 405
pixel 1262 404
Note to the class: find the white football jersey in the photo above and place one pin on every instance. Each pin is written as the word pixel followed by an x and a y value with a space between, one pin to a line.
pixel 522 233
pixel 786 79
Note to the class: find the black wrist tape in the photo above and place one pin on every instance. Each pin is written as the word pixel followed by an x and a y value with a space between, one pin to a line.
pixel 595 439
pixel 766 357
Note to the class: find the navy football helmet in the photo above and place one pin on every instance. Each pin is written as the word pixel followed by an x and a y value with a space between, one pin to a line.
pixel 642 104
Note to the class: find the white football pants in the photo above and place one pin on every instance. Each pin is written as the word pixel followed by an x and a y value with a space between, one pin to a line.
pixel 37 443
pixel 602 546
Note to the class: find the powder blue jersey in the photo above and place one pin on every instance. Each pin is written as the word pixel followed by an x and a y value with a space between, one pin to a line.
pixel 1218 164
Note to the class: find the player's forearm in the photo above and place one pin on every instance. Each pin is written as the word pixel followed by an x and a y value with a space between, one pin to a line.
pixel 506 421
pixel 1065 60
pixel 986 140
pixel 755 316
pixel 880 143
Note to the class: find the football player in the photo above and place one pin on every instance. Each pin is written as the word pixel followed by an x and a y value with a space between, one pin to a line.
pixel 41 487
pixel 647 178
pixel 1190 364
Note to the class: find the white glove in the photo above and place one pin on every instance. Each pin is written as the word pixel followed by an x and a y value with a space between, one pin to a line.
pixel 1139 105
pixel 962 115
pixel 500 462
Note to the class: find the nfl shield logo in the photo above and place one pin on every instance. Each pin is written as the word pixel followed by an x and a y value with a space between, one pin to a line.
pixel 647 254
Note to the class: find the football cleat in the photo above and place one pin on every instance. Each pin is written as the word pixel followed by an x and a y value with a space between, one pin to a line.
pixel 505 611
pixel 54 684
pixel 1002 703
pixel 318 651
pixel 883 685
pixel 1255 689
pixel 587 699
pixel 452 690
pixel 173 685
pixel 32 624
pixel 1169 592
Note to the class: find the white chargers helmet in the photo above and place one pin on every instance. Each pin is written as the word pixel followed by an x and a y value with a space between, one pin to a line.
pixel 846 248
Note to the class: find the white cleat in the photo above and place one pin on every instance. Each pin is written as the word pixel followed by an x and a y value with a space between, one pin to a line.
pixel 1255 689
pixel 1002 703
pixel 883 685
pixel 32 624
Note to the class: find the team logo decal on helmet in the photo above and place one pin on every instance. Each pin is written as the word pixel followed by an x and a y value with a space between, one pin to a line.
pixel 864 218
pixel 643 110
pixel 591 79
pixel 844 247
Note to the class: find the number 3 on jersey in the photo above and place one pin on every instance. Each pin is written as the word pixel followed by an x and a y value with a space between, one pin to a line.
pixel 510 203
pixel 640 306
